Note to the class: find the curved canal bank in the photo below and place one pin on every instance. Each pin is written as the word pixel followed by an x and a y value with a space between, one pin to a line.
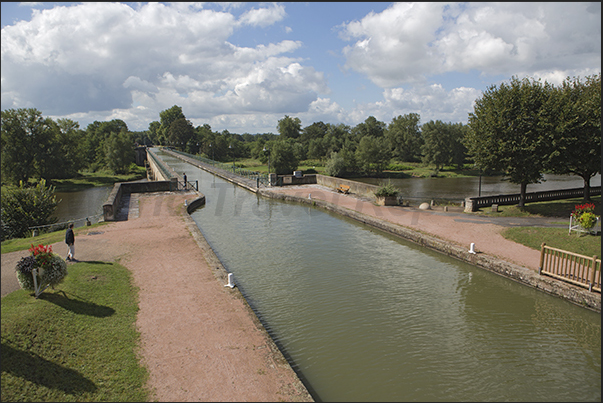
pixel 428 229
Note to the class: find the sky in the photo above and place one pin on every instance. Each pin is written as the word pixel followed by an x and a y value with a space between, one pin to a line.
pixel 243 66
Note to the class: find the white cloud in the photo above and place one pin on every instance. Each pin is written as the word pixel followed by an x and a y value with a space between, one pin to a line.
pixel 263 17
pixel 109 56
pixel 102 61
pixel 408 42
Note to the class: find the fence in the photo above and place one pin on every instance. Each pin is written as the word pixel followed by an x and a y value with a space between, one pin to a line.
pixel 78 222
pixel 571 267
pixel 227 166
pixel 475 203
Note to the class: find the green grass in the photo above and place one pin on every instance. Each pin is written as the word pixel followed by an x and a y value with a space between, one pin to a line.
pixel 75 343
pixel 12 245
pixel 101 178
pixel 533 237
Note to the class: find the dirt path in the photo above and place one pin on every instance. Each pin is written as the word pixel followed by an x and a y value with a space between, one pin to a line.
pixel 199 339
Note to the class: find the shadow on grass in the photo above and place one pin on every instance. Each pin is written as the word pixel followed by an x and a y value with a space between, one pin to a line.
pixel 35 369
pixel 77 306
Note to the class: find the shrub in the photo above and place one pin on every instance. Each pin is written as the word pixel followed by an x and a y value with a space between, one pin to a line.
pixel 387 190
pixel 24 207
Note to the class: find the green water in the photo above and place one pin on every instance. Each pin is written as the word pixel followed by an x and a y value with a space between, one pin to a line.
pixel 364 316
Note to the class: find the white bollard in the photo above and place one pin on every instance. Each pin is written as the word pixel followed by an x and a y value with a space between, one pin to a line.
pixel 231 283
pixel 472 248
pixel 185 202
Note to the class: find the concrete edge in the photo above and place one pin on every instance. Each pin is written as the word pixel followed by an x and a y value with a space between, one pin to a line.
pixel 221 275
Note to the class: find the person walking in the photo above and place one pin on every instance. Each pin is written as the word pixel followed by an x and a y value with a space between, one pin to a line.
pixel 70 241
pixel 184 176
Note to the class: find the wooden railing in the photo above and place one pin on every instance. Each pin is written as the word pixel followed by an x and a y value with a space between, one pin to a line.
pixel 571 267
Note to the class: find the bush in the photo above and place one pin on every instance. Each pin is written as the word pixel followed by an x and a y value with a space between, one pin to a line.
pixel 24 207
pixel 387 190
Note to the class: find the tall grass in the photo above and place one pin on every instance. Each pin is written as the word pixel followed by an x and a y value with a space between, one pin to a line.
pixel 75 343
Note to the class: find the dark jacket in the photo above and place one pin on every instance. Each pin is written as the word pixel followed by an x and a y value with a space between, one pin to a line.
pixel 69 236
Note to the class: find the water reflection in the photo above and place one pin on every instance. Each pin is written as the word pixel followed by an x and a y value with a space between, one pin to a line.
pixel 82 204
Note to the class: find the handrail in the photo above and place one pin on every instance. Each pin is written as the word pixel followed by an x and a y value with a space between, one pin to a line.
pixel 571 267
pixel 546 195
pixel 159 163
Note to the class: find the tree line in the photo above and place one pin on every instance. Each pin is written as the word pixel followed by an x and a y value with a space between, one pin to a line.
pixel 366 148
pixel 37 147
pixel 522 128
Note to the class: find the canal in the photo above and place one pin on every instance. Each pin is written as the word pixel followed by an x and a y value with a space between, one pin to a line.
pixel 365 316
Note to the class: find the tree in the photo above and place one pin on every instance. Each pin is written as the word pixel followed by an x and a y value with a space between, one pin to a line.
pixel 119 152
pixel 436 144
pixel 370 127
pixel 509 131
pixel 24 207
pixel 167 117
pixel 289 128
pixel 282 157
pixel 315 131
pixel 94 143
pixel 373 154
pixel 67 150
pixel 26 135
pixel 442 144
pixel 180 133
pixel 405 137
pixel 576 133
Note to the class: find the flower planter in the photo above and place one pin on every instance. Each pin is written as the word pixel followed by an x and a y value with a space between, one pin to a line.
pixel 387 200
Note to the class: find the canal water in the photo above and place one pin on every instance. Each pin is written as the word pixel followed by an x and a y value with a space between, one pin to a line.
pixel 365 316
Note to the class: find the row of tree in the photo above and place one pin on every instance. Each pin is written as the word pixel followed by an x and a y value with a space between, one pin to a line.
pixel 523 128
pixel 37 147
pixel 367 148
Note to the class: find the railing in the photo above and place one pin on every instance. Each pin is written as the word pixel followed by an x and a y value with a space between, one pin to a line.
pixel 168 175
pixel 189 185
pixel 511 199
pixel 229 167
pixel 42 229
pixel 571 267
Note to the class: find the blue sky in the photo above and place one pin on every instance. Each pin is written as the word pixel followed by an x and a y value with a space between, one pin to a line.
pixel 243 66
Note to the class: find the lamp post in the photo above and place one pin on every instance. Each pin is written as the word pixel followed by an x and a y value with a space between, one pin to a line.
pixel 212 152
pixel 233 160
pixel 268 151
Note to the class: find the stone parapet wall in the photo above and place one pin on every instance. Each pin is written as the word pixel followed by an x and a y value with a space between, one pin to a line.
pixel 357 188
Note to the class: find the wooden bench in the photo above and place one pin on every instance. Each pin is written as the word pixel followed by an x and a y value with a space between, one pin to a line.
pixel 343 189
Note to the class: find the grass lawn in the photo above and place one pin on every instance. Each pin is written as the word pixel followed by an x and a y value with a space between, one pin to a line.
pixel 12 245
pixel 101 178
pixel 533 237
pixel 75 343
